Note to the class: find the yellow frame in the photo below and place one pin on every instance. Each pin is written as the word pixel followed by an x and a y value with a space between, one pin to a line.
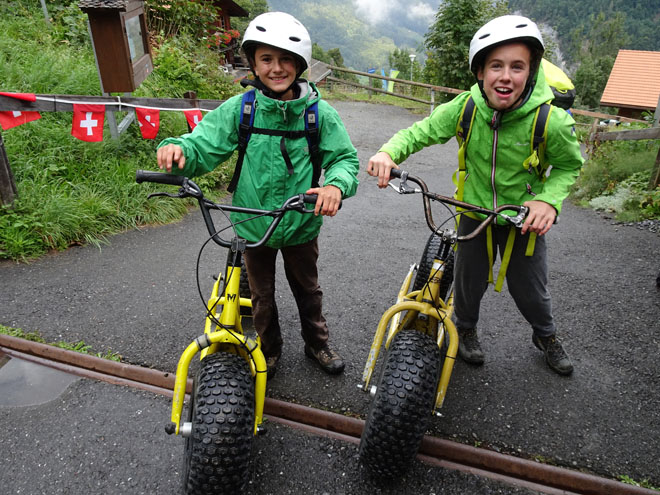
pixel 436 321
pixel 228 336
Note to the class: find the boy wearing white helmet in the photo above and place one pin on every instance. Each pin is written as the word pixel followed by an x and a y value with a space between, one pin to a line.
pixel 494 169
pixel 277 164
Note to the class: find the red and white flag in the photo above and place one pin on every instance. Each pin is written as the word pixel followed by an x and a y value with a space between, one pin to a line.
pixel 14 118
pixel 88 122
pixel 149 121
pixel 193 117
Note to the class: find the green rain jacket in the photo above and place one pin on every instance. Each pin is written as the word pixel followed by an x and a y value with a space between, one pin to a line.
pixel 494 158
pixel 265 182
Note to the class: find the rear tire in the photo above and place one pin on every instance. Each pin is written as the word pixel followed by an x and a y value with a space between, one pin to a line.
pixel 218 451
pixel 403 405
pixel 435 245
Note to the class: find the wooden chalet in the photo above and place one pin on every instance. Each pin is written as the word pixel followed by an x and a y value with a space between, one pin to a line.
pixel 634 83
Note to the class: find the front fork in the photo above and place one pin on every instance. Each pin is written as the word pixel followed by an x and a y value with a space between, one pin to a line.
pixel 222 331
pixel 423 315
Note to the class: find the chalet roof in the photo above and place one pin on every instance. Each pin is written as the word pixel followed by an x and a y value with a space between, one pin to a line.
pixel 103 4
pixel 634 81
pixel 231 8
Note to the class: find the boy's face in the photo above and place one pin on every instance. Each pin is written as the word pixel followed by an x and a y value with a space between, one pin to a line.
pixel 505 72
pixel 275 68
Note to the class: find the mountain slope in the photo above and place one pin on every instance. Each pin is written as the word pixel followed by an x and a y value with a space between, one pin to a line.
pixel 334 24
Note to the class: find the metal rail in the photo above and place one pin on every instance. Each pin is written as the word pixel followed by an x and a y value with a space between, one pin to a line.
pixel 537 476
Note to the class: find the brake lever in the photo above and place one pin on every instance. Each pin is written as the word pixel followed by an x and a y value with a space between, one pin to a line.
pixel 519 219
pixel 404 187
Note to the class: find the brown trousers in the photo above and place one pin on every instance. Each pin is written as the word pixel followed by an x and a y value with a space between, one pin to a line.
pixel 302 274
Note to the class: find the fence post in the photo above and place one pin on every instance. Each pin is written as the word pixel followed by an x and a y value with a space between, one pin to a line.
pixel 191 95
pixel 655 176
pixel 7 184
pixel 432 100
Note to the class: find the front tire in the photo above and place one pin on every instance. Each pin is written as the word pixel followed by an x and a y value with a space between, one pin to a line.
pixel 434 246
pixel 218 451
pixel 402 406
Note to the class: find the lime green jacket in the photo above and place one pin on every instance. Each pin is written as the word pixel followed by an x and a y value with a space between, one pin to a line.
pixel 265 182
pixel 494 158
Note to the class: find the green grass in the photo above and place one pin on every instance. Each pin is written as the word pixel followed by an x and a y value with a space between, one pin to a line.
pixel 73 192
pixel 80 347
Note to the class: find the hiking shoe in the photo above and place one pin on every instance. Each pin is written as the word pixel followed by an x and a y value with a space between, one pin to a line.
pixel 271 366
pixel 328 359
pixel 469 348
pixel 555 355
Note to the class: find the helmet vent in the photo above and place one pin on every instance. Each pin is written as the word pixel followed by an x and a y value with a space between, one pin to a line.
pixel 484 36
pixel 521 25
pixel 293 38
pixel 261 28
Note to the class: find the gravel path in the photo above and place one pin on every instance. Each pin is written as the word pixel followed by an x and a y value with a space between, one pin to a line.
pixel 137 296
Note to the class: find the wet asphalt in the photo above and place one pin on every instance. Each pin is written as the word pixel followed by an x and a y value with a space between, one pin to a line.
pixel 137 296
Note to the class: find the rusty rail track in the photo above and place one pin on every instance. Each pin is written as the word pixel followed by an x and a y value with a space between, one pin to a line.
pixel 544 478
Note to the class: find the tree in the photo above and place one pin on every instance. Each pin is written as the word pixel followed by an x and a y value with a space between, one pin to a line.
pixel 254 8
pixel 448 40
pixel 400 60
pixel 596 46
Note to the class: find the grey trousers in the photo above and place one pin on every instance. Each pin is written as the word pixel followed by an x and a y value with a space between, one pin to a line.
pixel 526 277
pixel 302 275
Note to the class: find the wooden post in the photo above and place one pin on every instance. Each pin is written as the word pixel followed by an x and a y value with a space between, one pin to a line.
pixel 7 183
pixel 191 95
pixel 655 176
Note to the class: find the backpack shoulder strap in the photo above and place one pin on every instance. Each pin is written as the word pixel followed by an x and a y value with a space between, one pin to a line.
pixel 313 140
pixel 463 130
pixel 536 159
pixel 244 133
pixel 465 121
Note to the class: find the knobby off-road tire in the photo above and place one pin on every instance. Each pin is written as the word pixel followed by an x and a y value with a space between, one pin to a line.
pixel 431 250
pixel 402 407
pixel 217 453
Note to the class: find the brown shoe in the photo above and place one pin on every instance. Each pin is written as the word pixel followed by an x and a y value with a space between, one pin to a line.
pixel 271 366
pixel 469 348
pixel 328 359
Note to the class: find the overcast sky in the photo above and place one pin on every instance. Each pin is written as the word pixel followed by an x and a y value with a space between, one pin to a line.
pixel 418 14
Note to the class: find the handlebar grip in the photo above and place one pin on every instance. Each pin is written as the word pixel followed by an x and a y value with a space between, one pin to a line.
pixel 395 173
pixel 159 178
pixel 310 199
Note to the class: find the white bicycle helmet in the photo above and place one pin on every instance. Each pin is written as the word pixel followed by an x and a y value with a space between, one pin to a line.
pixel 282 31
pixel 503 29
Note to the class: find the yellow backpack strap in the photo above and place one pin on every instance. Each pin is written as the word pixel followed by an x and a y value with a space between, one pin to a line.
pixel 505 259
pixel 531 244
pixel 463 132
pixel 536 162
pixel 491 255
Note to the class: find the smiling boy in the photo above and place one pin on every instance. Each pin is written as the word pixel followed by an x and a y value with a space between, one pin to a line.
pixel 505 57
pixel 277 164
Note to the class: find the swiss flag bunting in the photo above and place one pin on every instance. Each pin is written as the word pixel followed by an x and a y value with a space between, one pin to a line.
pixel 20 96
pixel 13 118
pixel 88 122
pixel 193 117
pixel 149 121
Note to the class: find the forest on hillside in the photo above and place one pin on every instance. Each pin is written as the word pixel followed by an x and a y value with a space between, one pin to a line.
pixel 571 18
pixel 338 24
